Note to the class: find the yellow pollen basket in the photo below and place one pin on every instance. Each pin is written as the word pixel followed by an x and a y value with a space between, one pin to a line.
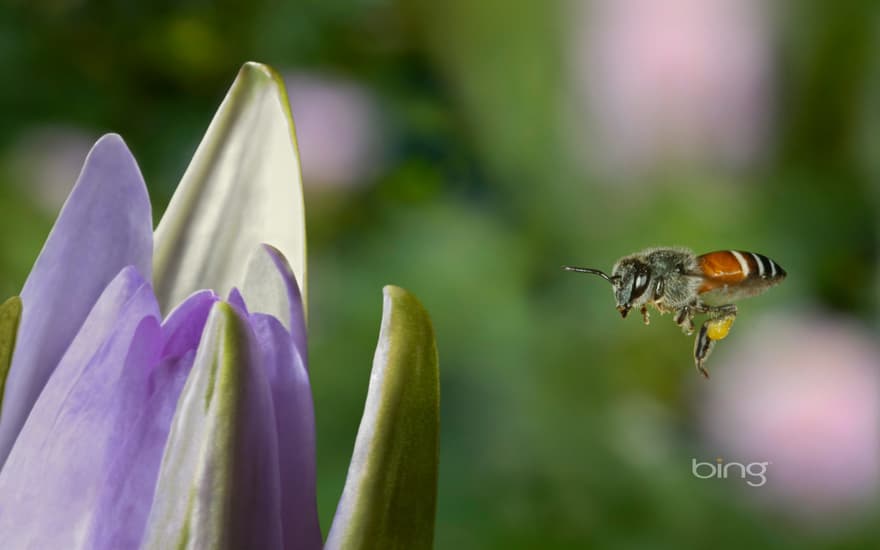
pixel 719 328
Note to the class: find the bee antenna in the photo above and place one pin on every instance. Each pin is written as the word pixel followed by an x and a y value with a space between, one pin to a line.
pixel 589 270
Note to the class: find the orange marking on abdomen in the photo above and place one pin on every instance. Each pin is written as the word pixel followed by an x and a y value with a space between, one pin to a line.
pixel 724 267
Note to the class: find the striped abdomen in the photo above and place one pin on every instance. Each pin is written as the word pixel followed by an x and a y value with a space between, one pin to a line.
pixel 725 270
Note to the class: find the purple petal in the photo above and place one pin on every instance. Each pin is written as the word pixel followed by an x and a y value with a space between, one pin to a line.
pixel 148 399
pixel 237 300
pixel 284 360
pixel 270 286
pixel 294 416
pixel 105 226
pixel 105 314
pixel 294 297
pixel 283 356
pixel 218 484
pixel 72 462
pixel 183 327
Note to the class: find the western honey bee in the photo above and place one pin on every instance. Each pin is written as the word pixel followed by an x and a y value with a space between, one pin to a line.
pixel 675 280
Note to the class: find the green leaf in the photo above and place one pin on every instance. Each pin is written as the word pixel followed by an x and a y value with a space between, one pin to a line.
pixel 390 494
pixel 242 188
pixel 218 482
pixel 10 315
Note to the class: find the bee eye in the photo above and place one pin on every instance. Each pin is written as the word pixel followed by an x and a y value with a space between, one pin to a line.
pixel 640 284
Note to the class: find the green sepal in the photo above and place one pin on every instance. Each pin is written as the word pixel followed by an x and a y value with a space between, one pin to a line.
pixel 10 316
pixel 217 485
pixel 390 495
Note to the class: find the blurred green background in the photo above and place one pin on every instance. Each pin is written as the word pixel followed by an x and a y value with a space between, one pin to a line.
pixel 465 151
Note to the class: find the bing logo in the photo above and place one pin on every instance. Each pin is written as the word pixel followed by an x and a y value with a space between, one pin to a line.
pixel 754 473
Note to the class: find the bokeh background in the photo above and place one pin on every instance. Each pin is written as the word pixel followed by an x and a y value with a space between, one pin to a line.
pixel 466 150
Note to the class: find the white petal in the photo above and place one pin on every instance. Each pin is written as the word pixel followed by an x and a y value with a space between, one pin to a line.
pixel 242 188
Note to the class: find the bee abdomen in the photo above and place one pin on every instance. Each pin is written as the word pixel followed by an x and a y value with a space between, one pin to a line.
pixel 732 267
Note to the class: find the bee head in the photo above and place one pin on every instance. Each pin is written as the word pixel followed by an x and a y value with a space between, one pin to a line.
pixel 630 278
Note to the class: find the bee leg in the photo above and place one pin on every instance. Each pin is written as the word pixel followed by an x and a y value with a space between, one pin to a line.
pixel 717 327
pixel 685 319
pixel 646 317
pixel 702 348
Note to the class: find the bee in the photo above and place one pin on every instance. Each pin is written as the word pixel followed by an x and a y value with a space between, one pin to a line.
pixel 675 280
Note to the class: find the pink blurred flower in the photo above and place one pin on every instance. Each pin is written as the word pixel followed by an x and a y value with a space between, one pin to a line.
pixel 338 129
pixel 674 80
pixel 803 394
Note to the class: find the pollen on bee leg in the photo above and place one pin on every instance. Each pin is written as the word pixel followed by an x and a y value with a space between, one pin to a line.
pixel 718 329
pixel 646 317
